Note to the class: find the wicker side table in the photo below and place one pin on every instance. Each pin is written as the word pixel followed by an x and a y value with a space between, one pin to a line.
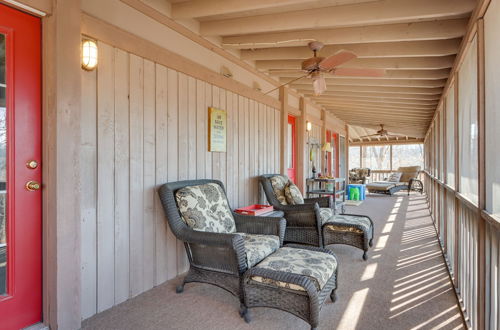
pixel 305 304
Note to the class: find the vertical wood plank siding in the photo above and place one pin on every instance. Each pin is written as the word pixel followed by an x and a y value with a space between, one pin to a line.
pixel 144 125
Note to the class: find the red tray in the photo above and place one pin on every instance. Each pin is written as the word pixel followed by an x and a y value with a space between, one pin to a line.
pixel 255 209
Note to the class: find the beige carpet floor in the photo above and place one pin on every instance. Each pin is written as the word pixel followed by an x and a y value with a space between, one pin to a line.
pixel 403 285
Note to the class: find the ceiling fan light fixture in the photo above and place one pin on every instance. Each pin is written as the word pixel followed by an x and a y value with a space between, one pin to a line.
pixel 319 84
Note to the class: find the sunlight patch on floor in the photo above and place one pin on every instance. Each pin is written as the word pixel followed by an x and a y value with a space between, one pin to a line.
pixel 432 319
pixel 369 272
pixel 353 311
pixel 381 243
pixel 419 304
pixel 426 271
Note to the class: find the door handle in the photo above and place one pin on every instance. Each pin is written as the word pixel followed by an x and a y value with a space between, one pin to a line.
pixel 32 186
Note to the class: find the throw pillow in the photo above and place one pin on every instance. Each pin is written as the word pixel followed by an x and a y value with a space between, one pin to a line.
pixel 205 208
pixel 279 182
pixel 293 194
pixel 395 177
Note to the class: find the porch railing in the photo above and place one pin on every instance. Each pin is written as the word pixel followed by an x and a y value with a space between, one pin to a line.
pixel 379 175
pixel 470 240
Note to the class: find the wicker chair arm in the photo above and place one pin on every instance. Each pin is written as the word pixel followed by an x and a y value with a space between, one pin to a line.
pixel 260 225
pixel 232 244
pixel 322 201
pixel 212 239
pixel 296 208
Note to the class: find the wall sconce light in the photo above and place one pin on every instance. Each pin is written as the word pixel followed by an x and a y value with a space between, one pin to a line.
pixel 308 126
pixel 89 55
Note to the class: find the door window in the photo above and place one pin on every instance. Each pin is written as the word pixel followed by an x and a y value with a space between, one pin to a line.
pixel 3 170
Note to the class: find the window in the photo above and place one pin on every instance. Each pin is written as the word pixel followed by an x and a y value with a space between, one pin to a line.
pixel 377 157
pixel 492 111
pixel 467 124
pixel 354 157
pixel 441 145
pixel 407 155
pixel 450 137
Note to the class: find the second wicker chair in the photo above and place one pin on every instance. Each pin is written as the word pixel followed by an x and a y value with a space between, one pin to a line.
pixel 313 222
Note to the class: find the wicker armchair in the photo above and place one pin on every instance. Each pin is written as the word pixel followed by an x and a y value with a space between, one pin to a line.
pixel 303 222
pixel 359 175
pixel 216 258
pixel 314 223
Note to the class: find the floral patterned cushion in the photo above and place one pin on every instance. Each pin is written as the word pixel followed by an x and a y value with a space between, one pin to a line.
pixel 293 194
pixel 259 246
pixel 361 221
pixel 205 208
pixel 325 214
pixel 279 182
pixel 318 266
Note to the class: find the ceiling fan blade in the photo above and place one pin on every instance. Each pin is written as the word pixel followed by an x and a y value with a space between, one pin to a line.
pixel 337 59
pixel 291 81
pixel 355 72
pixel 319 85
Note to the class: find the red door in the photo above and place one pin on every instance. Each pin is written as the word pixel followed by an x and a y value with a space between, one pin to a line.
pixel 291 155
pixel 20 173
pixel 335 154
pixel 328 166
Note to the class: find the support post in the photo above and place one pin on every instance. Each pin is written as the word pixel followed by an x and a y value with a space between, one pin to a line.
pixel 481 310
pixel 302 157
pixel 284 129
pixel 61 193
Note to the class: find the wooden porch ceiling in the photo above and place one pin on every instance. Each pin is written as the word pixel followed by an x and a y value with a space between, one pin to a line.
pixel 416 41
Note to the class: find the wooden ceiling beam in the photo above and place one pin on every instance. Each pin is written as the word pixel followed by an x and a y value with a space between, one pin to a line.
pixel 379 100
pixel 396 63
pixel 377 95
pixel 371 13
pixel 369 50
pixel 378 105
pixel 411 127
pixel 418 31
pixel 205 8
pixel 410 140
pixel 389 74
pixel 377 89
pixel 375 126
pixel 333 81
pixel 375 110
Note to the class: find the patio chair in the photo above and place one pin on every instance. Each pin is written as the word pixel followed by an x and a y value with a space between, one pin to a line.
pixel 359 175
pixel 312 221
pixel 221 245
pixel 405 178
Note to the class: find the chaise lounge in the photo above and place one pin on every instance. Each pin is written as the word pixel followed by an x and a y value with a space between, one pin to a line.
pixel 405 178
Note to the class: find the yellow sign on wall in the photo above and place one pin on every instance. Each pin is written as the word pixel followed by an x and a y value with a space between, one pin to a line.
pixel 217 128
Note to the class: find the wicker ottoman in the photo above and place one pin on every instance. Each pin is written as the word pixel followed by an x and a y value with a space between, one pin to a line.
pixel 350 229
pixel 296 279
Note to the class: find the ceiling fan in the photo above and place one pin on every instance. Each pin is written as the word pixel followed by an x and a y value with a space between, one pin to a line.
pixel 316 66
pixel 381 133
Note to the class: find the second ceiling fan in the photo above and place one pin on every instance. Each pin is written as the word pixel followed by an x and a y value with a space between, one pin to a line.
pixel 382 132
pixel 317 66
